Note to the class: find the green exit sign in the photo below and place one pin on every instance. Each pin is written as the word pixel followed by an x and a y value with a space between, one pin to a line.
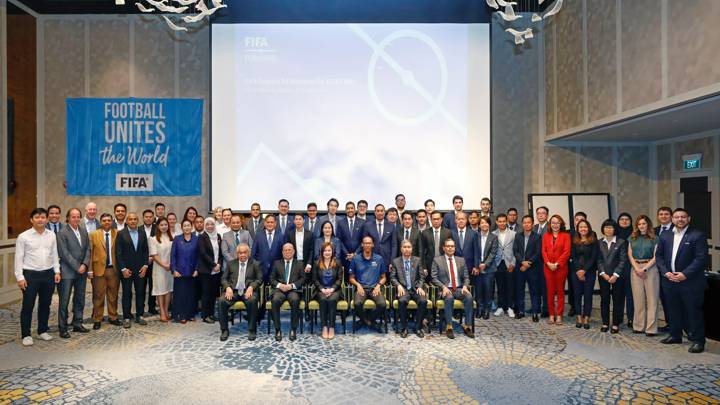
pixel 692 162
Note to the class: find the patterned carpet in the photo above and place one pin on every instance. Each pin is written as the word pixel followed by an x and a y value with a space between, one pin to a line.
pixel 510 362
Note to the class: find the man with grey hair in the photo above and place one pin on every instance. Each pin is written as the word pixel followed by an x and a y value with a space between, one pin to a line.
pixel 89 221
pixel 407 277
pixel 241 281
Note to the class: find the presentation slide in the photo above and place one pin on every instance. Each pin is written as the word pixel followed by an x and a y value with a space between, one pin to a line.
pixel 308 112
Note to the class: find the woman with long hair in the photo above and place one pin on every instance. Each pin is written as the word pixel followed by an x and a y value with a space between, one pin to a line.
pixel 556 254
pixel 327 276
pixel 644 277
pixel 160 247
pixel 585 251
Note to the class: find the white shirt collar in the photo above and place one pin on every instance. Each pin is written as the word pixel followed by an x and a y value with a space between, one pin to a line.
pixel 679 232
pixel 609 241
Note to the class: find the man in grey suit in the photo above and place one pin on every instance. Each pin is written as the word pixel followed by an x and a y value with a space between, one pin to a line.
pixel 484 273
pixel 408 231
pixel 407 277
pixel 331 216
pixel 432 239
pixel 233 238
pixel 73 246
pixel 504 265
pixel 241 282
pixel 255 222
pixel 451 276
pixel 90 222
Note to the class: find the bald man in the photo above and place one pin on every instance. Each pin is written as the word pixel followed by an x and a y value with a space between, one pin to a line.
pixel 89 221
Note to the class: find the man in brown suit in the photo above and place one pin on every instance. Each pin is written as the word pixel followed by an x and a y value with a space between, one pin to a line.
pixel 103 273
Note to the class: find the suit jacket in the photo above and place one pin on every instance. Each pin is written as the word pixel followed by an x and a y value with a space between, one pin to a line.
pixel 449 221
pixel 289 226
pixel 249 226
pixel 531 252
pixel 317 277
pixel 585 257
pixel 338 218
pixel 385 244
pixel 60 226
pixel 398 275
pixel 266 254
pixel 71 253
pixel 228 245
pixel 427 245
pixel 315 231
pixel 99 251
pixel 489 253
pixel 615 259
pixel 657 229
pixel 297 274
pixel 340 251
pixel 351 240
pixel 470 248
pixel 127 256
pixel 414 239
pixel 514 227
pixel 153 228
pixel 441 273
pixel 308 245
pixel 536 228
pixel 505 249
pixel 206 255
pixel 690 259
pixel 115 225
pixel 253 275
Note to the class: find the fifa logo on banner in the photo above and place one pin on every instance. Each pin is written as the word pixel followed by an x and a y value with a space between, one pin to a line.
pixel 133 182
pixel 256 42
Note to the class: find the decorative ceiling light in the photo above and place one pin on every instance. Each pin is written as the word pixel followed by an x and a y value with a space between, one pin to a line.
pixel 180 7
pixel 508 14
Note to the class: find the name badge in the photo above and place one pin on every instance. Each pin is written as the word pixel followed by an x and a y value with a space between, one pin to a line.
pixel 373 264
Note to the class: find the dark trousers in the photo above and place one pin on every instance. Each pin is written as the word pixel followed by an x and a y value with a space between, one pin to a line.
pixel 421 302
pixel 328 308
pixel 629 303
pixel 210 287
pixel 467 300
pixel 380 304
pixel 616 292
pixel 532 278
pixel 663 301
pixel 505 288
pixel 543 294
pixel 293 298
pixel 685 303
pixel 251 305
pixel 40 286
pixel 76 288
pixel 582 299
pixel 151 301
pixel 184 300
pixel 139 283
pixel 484 290
pixel 571 288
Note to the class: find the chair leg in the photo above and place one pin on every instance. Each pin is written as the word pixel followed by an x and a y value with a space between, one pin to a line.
pixel 353 328
pixel 269 318
pixel 344 315
pixel 232 317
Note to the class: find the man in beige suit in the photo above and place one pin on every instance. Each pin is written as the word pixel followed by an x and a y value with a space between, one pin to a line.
pixel 103 273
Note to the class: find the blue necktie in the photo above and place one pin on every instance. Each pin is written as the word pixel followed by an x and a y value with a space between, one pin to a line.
pixel 408 274
pixel 107 249
pixel 237 238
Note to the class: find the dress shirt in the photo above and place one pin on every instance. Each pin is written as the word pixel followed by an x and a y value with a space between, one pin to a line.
pixel 55 227
pixel 134 236
pixel 286 274
pixel 677 238
pixel 283 222
pixel 299 240
pixel 483 239
pixel 222 228
pixel 120 225
pixel 76 231
pixel 148 230
pixel 240 286
pixel 89 225
pixel 36 251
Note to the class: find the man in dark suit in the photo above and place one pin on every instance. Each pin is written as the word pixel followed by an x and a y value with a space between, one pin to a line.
pixel 349 231
pixel 512 216
pixel 449 218
pixel 541 215
pixel 432 239
pixel 407 277
pixel 73 246
pixel 268 247
pixel 664 217
pixel 131 253
pixel 408 231
pixel 467 244
pixel 451 276
pixel 311 222
pixel 682 259
pixel 383 234
pixel 149 227
pixel 287 279
pixel 331 216
pixel 527 249
pixel 54 223
pixel 254 222
pixel 283 221
pixel 302 242
pixel 241 281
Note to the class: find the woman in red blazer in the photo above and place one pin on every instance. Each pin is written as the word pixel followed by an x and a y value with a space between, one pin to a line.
pixel 556 253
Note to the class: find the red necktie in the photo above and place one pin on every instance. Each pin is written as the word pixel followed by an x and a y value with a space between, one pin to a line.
pixel 452 274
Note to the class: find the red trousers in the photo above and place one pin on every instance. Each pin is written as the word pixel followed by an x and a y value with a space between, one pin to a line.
pixel 555 281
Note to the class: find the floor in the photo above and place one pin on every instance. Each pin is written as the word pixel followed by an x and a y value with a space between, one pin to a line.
pixel 510 362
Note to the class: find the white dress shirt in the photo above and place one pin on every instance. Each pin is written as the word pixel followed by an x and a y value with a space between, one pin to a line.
pixel 222 228
pixel 76 231
pixel 36 252
pixel 483 239
pixel 609 243
pixel 120 225
pixel 148 230
pixel 677 238
pixel 89 224
pixel 454 268
pixel 299 240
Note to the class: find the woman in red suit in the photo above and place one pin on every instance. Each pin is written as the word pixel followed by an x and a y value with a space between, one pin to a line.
pixel 556 253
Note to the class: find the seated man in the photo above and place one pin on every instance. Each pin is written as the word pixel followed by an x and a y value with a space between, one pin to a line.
pixel 241 282
pixel 287 277
pixel 450 275
pixel 407 276
pixel 367 274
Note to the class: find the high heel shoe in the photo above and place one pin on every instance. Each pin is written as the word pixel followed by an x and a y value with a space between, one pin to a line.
pixel 604 328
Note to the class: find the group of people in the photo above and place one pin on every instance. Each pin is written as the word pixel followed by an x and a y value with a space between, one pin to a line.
pixel 485 262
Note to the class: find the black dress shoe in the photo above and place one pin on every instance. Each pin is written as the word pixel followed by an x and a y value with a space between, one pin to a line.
pixel 404 333
pixel 615 330
pixel 586 326
pixel 212 317
pixel 604 329
pixel 419 333
pixel 630 324
pixel 696 348
pixel 64 334
pixel 535 318
pixel 520 315
pixel 486 315
pixel 293 336
pixel 378 326
pixel 278 335
pixel 140 321
pixel 80 329
pixel 650 334
pixel 96 325
pixel 224 335
pixel 252 336
pixel 208 320
pixel 449 333
pixel 578 325
pixel 153 312
pixel 637 332
pixel 671 341
pixel 115 322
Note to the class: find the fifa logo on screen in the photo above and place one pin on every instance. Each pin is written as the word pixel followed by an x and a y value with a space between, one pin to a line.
pixel 256 42
pixel 133 182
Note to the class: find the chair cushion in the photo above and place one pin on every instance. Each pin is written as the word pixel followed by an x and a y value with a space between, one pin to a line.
pixel 238 306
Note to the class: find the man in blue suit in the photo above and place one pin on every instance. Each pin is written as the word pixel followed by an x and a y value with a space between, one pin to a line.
pixel 54 223
pixel 466 240
pixel 449 218
pixel 349 231
pixel 681 259
pixel 383 234
pixel 268 247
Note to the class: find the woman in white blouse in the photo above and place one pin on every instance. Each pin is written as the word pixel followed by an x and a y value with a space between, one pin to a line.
pixel 160 246
pixel 210 262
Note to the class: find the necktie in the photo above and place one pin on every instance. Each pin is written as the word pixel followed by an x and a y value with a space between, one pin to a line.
pixel 379 229
pixel 107 249
pixel 452 273
pixel 269 239
pixel 437 243
pixel 462 239
pixel 241 279
pixel 352 225
pixel 55 227
pixel 408 274
pixel 407 234
pixel 282 225
pixel 287 272
pixel 312 225
pixel 255 223
pixel 237 238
